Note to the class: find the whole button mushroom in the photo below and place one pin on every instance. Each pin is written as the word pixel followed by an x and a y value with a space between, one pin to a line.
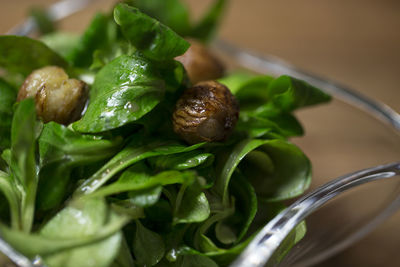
pixel 57 97
pixel 200 63
pixel 206 112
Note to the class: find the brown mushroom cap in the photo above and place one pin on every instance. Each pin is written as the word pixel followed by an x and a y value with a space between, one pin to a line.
pixel 57 97
pixel 206 112
pixel 200 63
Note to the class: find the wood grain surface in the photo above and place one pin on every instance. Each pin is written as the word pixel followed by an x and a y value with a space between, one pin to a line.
pixel 355 42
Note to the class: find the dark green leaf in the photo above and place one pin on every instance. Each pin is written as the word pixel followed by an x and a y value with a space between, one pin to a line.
pixel 59 143
pixel 124 257
pixel 155 40
pixel 245 210
pixel 288 94
pixel 285 125
pixel 196 261
pixel 43 20
pixel 62 149
pixel 228 164
pixel 101 33
pixel 148 246
pixel 267 169
pixel 172 13
pixel 124 90
pixel 15 57
pixel 8 97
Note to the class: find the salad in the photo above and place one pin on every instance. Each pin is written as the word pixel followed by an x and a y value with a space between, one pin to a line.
pixel 131 145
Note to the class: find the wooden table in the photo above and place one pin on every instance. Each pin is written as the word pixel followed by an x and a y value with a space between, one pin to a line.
pixel 354 42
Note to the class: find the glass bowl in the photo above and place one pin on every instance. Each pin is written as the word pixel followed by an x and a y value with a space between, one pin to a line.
pixel 338 139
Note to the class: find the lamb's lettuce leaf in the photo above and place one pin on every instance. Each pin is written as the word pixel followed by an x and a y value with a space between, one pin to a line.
pixel 148 246
pixel 23 55
pixel 23 159
pixel 61 150
pixel 155 40
pixel 123 91
pixel 8 97
pixel 101 33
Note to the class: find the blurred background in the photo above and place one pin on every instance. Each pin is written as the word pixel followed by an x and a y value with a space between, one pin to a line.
pixel 354 42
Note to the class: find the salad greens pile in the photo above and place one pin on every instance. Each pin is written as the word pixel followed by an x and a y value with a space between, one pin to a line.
pixel 118 187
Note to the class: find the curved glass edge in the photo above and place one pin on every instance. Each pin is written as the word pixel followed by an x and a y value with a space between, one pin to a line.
pixel 265 243
pixel 272 65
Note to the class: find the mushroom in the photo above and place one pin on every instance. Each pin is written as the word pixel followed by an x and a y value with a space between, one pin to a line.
pixel 200 63
pixel 205 112
pixel 57 97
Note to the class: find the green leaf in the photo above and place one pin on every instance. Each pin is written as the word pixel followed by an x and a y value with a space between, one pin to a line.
pixel 235 80
pixel 13 59
pixel 172 13
pixel 196 261
pixel 146 197
pixel 191 205
pixel 288 94
pixel 134 179
pixel 138 149
pixel 127 207
pixel 124 258
pixel 182 161
pixel 255 126
pixel 288 243
pixel 51 243
pixel 23 162
pixel 101 33
pixel 59 143
pixel 43 20
pixel 206 27
pixel 102 57
pixel 245 211
pixel 155 40
pixel 124 90
pixel 230 161
pixel 82 219
pixel 269 172
pixel 8 97
pixel 62 42
pixel 61 150
pixel 7 187
pixel 148 246
pixel 217 257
